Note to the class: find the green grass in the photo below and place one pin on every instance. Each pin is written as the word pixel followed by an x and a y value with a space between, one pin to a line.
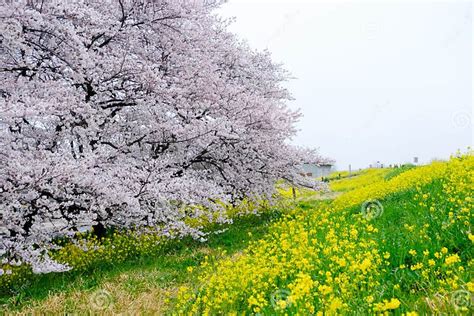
pixel 337 175
pixel 166 269
pixel 148 284
pixel 397 171
pixel 415 256
pixel 402 226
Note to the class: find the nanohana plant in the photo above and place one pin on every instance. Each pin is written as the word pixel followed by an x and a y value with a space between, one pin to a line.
pixel 121 113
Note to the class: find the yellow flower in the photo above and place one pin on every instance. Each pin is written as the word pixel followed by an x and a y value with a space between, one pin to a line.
pixel 366 263
pixel 470 286
pixel 330 250
pixel 336 304
pixel 417 266
pixel 324 289
pixel 281 304
pixel 387 305
pixel 252 301
pixel 452 259
pixel 393 304
pixel 471 237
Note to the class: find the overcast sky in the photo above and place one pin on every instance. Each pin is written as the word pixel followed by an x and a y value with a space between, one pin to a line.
pixel 376 81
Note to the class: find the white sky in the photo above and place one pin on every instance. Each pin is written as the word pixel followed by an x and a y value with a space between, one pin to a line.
pixel 385 80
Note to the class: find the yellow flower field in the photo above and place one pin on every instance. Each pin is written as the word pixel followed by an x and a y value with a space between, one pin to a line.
pixel 403 245
pixel 366 177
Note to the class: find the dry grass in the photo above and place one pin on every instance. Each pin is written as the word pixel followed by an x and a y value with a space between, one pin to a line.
pixel 139 287
pixel 128 294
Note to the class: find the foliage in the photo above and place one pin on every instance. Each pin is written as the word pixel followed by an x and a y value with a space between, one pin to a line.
pixel 135 115
pixel 416 255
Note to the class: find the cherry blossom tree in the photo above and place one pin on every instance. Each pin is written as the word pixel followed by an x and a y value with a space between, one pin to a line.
pixel 118 113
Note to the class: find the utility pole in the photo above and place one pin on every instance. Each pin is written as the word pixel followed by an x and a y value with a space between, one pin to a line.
pixel 350 171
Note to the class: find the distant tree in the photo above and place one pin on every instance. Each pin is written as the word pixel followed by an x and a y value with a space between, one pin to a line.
pixel 117 113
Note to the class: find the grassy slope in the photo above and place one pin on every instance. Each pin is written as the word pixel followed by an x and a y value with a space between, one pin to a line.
pixel 143 285
pixel 420 249
pixel 363 178
pixel 403 227
pixel 134 286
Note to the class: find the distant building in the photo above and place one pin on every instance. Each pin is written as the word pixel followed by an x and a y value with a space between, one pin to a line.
pixel 377 164
pixel 317 170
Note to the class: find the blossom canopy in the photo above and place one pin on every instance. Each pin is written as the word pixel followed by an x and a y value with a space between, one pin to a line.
pixel 118 113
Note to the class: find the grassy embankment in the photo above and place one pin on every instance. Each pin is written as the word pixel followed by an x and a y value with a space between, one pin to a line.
pixel 397 241
pixel 128 284
pixel 412 252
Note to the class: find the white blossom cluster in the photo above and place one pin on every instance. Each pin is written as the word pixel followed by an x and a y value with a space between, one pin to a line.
pixel 128 113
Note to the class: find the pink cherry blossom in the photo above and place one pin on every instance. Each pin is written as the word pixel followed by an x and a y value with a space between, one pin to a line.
pixel 119 113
